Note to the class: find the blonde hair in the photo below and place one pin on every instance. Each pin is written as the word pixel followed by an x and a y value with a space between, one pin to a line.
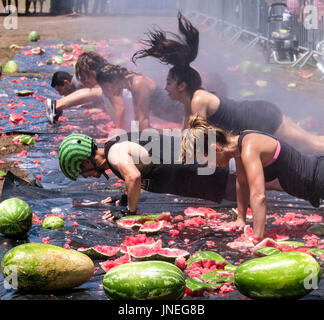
pixel 198 130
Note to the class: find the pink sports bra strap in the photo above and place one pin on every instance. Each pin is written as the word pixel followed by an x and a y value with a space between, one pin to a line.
pixel 276 155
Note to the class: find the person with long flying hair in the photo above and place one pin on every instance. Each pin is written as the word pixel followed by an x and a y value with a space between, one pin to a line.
pixel 184 84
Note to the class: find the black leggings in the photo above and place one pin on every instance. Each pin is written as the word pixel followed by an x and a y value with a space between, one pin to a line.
pixel 183 180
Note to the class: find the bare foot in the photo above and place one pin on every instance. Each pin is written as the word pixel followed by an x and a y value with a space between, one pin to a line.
pixel 240 224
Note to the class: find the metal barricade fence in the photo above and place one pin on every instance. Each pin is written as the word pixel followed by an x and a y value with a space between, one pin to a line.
pixel 250 17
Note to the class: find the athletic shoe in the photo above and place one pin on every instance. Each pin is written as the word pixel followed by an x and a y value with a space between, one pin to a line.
pixel 51 113
pixel 50 110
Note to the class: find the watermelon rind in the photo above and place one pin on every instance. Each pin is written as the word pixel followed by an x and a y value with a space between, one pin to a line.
pixel 287 275
pixel 295 244
pixel 316 252
pixel 156 252
pixel 44 267
pixel 266 251
pixel 53 222
pixel 195 285
pixel 317 229
pixel 149 280
pixel 137 253
pixel 16 217
pixel 126 225
pixel 24 93
pixel 147 227
pixel 96 254
pixel 26 139
pixel 151 217
pixel 206 255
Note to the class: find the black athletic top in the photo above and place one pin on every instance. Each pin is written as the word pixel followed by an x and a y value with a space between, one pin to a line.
pixel 295 171
pixel 238 116
pixel 176 178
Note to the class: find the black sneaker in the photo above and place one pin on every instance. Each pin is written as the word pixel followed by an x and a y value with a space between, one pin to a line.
pixel 51 113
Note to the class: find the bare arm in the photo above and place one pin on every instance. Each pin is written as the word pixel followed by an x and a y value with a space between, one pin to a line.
pixel 242 191
pixel 78 97
pixel 141 98
pixel 119 108
pixel 254 172
pixel 120 157
pixel 132 178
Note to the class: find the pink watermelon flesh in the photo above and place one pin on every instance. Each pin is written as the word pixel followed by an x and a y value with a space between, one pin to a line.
pixel 203 266
pixel 145 250
pixel 201 211
pixel 128 223
pixel 109 264
pixel 151 226
pixel 181 263
pixel 173 253
pixel 134 241
pixel 107 250
pixel 268 242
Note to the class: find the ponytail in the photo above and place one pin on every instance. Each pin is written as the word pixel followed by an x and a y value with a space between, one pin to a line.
pixel 198 130
pixel 178 52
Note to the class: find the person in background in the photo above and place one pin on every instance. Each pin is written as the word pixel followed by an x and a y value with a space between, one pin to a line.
pixel 6 3
pixel 78 4
pixel 28 3
pixel 86 68
pixel 64 83
pixel 41 3
pixel 319 5
pixel 294 7
pixel 103 5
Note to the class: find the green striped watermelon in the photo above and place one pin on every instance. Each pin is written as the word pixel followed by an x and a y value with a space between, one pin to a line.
pixel 16 217
pixel 149 280
pixel 287 275
pixel 44 267
pixel 206 255
pixel 53 222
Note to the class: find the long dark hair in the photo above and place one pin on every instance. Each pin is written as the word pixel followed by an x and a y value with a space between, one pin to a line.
pixel 179 52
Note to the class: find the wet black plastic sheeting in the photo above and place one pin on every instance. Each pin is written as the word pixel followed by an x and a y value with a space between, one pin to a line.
pixel 71 199
pixel 73 205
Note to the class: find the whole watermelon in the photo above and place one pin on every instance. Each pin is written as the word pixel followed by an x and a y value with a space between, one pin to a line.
pixel 11 67
pixel 149 280
pixel 286 275
pixel 53 222
pixel 16 217
pixel 33 36
pixel 44 267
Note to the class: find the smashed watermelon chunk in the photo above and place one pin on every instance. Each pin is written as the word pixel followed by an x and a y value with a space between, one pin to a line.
pixel 100 251
pixel 109 264
pixel 134 241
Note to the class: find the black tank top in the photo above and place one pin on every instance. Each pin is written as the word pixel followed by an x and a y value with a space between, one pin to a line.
pixel 175 178
pixel 295 171
pixel 238 116
pixel 162 149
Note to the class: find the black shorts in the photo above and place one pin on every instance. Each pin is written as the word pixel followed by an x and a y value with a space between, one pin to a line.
pixel 247 115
